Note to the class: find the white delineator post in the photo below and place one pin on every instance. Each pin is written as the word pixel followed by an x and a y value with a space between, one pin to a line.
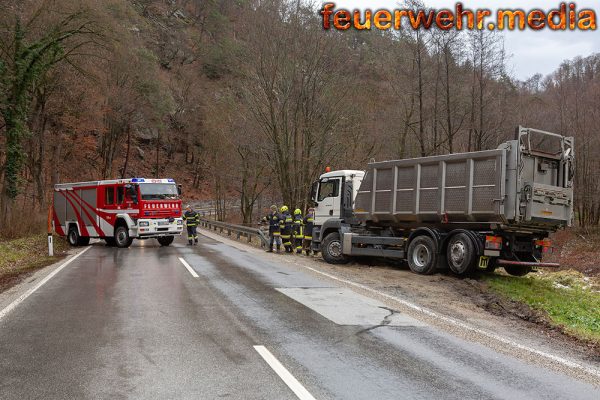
pixel 50 245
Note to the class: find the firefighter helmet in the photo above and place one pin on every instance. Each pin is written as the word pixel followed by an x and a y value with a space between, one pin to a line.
pixel 297 211
pixel 284 208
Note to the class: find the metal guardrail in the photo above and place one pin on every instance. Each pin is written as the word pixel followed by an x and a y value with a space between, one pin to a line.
pixel 239 230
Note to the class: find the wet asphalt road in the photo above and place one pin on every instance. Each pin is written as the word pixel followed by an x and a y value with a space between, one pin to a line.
pixel 134 323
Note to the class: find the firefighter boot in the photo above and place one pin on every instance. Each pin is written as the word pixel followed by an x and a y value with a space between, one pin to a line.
pixel 190 242
pixel 196 240
pixel 278 249
pixel 270 249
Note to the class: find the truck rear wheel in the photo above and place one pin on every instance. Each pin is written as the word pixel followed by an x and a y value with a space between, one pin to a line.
pixel 73 236
pixel 122 238
pixel 332 249
pixel 517 270
pixel 422 256
pixel 461 254
pixel 165 240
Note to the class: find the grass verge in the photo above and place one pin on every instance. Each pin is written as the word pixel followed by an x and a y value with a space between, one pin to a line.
pixel 570 300
pixel 26 254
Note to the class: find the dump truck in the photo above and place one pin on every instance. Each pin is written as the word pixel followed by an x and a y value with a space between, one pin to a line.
pixel 482 209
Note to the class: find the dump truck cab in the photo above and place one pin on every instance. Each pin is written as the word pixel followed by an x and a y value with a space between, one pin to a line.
pixel 334 193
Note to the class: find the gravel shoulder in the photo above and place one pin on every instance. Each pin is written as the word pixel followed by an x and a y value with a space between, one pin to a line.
pixel 466 301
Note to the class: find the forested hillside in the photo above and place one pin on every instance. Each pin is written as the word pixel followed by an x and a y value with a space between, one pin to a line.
pixel 243 99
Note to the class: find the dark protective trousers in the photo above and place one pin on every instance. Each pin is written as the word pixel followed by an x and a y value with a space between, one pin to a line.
pixel 192 234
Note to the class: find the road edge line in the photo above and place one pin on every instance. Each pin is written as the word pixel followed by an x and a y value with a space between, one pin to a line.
pixel 188 267
pixel 285 375
pixel 28 293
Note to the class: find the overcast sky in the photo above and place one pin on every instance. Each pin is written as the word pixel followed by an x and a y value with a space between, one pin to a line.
pixel 530 51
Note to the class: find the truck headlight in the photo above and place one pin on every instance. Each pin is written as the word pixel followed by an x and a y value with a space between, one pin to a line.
pixel 144 223
pixel 179 222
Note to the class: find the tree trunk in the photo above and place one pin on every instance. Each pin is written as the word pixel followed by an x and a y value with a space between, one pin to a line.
pixel 126 163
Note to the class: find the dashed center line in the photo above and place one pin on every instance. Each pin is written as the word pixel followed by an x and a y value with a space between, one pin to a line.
pixel 187 266
pixel 285 375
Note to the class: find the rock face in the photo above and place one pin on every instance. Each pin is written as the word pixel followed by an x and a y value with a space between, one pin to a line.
pixel 141 153
pixel 146 135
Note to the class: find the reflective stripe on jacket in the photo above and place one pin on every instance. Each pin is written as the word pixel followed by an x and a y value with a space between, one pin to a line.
pixel 191 218
pixel 273 219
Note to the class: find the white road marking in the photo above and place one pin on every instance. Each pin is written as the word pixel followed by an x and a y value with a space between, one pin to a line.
pixel 285 375
pixel 25 295
pixel 190 269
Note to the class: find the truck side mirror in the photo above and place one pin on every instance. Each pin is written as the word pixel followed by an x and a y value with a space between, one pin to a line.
pixel 179 190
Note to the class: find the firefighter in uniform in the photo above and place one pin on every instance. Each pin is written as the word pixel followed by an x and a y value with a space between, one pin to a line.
pixel 285 224
pixel 192 219
pixel 309 221
pixel 298 235
pixel 273 219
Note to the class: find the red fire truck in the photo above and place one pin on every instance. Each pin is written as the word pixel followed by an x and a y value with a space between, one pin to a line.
pixel 118 211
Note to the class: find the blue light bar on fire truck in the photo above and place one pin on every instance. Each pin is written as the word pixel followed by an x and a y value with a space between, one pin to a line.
pixel 137 180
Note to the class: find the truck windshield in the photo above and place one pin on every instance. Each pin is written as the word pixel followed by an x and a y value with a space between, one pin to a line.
pixel 158 191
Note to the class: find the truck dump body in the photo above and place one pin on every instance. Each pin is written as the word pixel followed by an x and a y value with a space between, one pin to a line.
pixel 523 184
pixel 459 187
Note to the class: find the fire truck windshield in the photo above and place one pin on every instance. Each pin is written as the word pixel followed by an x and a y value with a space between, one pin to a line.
pixel 158 191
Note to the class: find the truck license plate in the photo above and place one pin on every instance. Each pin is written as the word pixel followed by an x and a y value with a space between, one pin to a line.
pixel 483 261
pixel 161 223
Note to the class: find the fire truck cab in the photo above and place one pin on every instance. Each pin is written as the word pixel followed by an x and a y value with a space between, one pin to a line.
pixel 118 211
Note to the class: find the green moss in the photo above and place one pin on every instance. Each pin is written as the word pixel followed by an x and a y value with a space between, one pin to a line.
pixel 566 298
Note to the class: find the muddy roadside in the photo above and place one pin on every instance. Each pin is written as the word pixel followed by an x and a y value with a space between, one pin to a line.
pixel 467 299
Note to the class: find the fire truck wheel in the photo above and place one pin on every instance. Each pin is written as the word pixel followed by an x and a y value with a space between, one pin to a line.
pixel 122 238
pixel 165 240
pixel 73 236
pixel 110 241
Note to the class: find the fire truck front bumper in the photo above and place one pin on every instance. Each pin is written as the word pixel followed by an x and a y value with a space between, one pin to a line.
pixel 148 228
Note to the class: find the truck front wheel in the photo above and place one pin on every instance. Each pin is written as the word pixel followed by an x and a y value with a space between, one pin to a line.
pixel 422 257
pixel 165 240
pixel 122 238
pixel 332 249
